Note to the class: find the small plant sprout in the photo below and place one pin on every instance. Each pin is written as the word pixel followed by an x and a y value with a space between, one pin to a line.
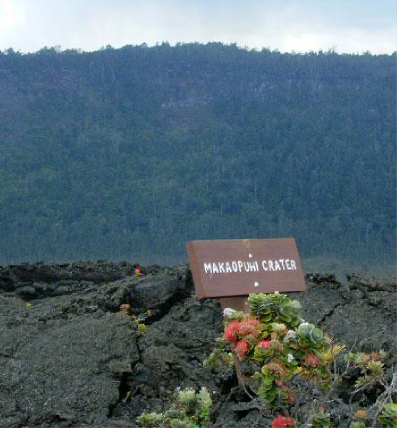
pixel 357 424
pixel 125 307
pixel 370 366
pixel 320 420
pixel 141 327
pixel 388 416
pixel 190 410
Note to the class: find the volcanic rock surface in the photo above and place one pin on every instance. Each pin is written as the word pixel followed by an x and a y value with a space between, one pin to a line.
pixel 70 358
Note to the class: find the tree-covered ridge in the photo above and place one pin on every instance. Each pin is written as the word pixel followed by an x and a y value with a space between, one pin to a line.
pixel 132 152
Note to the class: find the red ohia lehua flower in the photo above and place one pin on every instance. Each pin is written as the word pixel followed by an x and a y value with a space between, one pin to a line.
pixel 283 422
pixel 249 326
pixel 265 344
pixel 231 331
pixel 312 361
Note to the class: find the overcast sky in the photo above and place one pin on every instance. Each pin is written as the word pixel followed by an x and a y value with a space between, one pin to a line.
pixel 286 25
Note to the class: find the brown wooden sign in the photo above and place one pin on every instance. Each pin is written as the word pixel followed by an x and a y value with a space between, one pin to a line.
pixel 238 267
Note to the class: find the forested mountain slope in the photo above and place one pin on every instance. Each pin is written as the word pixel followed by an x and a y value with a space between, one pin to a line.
pixel 132 152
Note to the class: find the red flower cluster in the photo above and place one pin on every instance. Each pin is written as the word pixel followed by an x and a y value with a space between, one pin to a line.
pixel 250 326
pixel 283 422
pixel 265 344
pixel 312 361
pixel 240 333
pixel 246 329
pixel 232 331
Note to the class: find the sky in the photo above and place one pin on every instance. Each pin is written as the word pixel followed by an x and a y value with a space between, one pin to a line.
pixel 345 26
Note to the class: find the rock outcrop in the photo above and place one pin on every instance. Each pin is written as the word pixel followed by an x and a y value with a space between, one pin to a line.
pixel 70 358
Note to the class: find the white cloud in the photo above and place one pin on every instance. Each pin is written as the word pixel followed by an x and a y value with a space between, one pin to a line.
pixel 12 16
pixel 352 40
pixel 299 25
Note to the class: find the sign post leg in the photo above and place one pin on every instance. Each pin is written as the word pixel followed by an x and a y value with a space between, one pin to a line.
pixel 237 303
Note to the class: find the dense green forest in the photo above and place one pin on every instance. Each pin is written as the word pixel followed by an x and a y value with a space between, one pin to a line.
pixel 131 152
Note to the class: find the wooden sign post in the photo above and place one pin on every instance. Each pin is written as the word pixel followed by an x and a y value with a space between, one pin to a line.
pixel 234 268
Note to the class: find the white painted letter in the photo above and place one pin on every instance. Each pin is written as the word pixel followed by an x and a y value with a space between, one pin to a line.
pixel 207 268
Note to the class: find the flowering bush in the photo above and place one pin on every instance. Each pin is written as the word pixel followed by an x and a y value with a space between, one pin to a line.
pixel 274 336
pixel 282 346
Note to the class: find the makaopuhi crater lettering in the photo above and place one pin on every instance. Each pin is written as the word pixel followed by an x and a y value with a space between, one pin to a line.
pixel 251 266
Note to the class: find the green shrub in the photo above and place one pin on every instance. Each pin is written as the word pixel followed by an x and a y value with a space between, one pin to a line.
pixel 190 410
pixel 275 337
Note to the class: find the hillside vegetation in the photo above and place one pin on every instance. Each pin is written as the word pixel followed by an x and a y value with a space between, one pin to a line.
pixel 132 152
